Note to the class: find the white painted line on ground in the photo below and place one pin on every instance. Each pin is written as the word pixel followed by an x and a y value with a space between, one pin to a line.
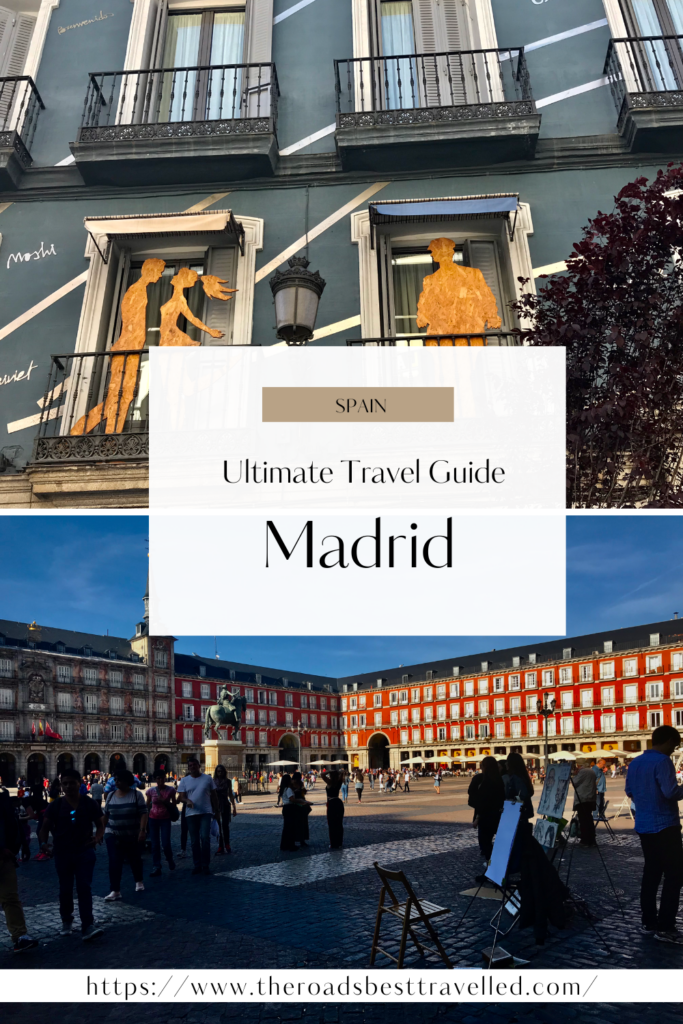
pixel 209 201
pixel 309 140
pixel 576 91
pixel 350 861
pixel 43 304
pixel 44 921
pixel 291 10
pixel 317 230
pixel 550 268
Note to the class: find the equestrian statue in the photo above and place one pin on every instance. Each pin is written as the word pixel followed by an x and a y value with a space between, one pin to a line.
pixel 228 711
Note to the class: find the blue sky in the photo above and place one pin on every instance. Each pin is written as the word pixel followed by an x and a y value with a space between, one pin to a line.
pixel 89 572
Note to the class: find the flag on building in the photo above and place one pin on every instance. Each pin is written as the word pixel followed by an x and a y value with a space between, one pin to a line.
pixel 33 730
pixel 50 733
pixel 41 731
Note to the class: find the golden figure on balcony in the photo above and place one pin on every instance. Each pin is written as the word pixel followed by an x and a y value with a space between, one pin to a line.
pixel 124 369
pixel 455 299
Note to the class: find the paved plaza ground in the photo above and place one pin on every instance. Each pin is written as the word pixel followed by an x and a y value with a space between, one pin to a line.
pixel 316 908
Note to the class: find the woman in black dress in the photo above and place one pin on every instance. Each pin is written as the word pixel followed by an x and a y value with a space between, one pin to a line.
pixel 303 809
pixel 486 794
pixel 335 811
pixel 288 838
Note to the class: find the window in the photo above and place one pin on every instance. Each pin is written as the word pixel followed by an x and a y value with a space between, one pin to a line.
pixel 429 734
pixel 469 688
pixel 272 718
pixel 414 695
pixel 92 731
pixel 677 687
pixel 186 689
pixel 415 733
pixel 377 700
pixel 403 697
pixel 483 707
pixel 498 684
pixel 335 741
pixel 630 666
pixel 263 697
pixel 455 733
pixel 139 706
pixel 404 736
pixel 655 691
pixel 587 723
pixel 63 700
pixel 393 717
pixel 441 691
pixel 6 667
pixel 514 682
pixel 116 731
pixel 65 730
pixel 552 727
pixel 289 700
pixel 353 719
pixel 404 716
pixel 378 718
pixel 483 686
pixel 654 719
pixel 631 693
pixel 586 673
pixel 678 718
pixel 140 733
pixel 515 729
pixel 250 716
pixel 333 704
pixel 653 663
pixel 160 656
pixel 162 733
pixel 441 713
pixel 115 677
pixel 250 739
pixel 469 732
pixel 323 702
pixel 91 703
pixel 609 723
pixel 607 670
pixel 548 676
pixel 586 698
pixel 566 726
pixel 249 694
pixel 116 705
pixel 188 712
pixel 429 714
pixel 455 710
pixel 188 736
pixel 441 732
pixel 531 702
pixel 469 709
pixel 500 730
pixel 499 706
pixel 514 705
pixel 202 670
pixel 6 730
pixel 353 703
pixel 566 674
pixel 454 690
pixel 567 700
pixel 263 739
pixel 64 673
pixel 205 690
pixel 608 695
pixel 428 693
pixel 90 676
pixel 273 698
pixel 333 721
pixel 414 714
pixel 676 661
pixel 304 702
pixel 532 727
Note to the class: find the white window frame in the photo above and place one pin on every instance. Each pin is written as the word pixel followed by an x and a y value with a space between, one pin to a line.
pixel 482 23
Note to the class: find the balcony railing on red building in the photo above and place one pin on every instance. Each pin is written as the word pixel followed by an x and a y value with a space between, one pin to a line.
pixel 488 338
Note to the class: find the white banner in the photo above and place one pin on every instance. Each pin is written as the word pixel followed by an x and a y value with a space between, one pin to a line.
pixel 339 986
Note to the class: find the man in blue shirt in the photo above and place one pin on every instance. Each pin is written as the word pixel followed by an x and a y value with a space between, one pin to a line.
pixel 598 769
pixel 651 784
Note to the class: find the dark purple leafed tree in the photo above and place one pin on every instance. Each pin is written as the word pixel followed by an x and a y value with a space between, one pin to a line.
pixel 619 312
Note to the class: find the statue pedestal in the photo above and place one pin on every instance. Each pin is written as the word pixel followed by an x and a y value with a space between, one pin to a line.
pixel 229 753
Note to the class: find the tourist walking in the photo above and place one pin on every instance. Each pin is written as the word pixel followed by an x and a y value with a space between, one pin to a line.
pixel 486 794
pixel 437 781
pixel 97 792
pixel 371 776
pixel 335 811
pixel 359 786
pixel 70 819
pixel 345 786
pixel 406 782
pixel 125 819
pixel 225 799
pixel 198 793
pixel 10 841
pixel 162 810
pixel 651 783
pixel 585 798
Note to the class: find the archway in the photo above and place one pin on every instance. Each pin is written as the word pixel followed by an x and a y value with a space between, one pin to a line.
pixel 378 751
pixel 289 749
pixel 8 770
pixel 117 763
pixel 64 761
pixel 162 763
pixel 139 764
pixel 91 763
pixel 35 769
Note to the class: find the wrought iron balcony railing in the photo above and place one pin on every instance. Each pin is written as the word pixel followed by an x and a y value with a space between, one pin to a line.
pixel 488 338
pixel 205 99
pixel 645 71
pixel 95 409
pixel 496 81
pixel 20 105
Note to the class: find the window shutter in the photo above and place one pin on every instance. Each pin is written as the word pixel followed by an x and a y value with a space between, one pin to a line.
pixel 159 35
pixel 455 27
pixel 20 38
pixel 15 35
pixel 258 50
pixel 6 23
pixel 441 26
pixel 220 315
pixel 484 256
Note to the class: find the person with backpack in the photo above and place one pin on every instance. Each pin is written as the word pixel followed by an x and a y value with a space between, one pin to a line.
pixel 70 819
pixel 10 842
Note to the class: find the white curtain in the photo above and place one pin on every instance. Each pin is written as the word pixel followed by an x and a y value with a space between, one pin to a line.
pixel 397 79
pixel 676 10
pixel 661 76
pixel 181 51
pixel 227 47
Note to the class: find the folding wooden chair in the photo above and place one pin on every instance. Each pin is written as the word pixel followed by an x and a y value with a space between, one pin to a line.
pixel 411 912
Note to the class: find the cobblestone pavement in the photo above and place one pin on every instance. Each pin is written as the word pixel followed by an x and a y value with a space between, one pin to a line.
pixel 248 915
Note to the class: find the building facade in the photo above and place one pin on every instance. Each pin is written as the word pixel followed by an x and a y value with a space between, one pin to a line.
pixel 225 138
pixel 610 691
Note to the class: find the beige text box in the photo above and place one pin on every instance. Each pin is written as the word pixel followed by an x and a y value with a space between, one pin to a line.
pixel 357 405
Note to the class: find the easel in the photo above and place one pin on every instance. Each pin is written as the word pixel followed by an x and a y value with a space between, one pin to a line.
pixel 625 805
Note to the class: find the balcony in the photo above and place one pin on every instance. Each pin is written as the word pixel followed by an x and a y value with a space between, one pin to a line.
pixel 469 107
pixel 94 411
pixel 645 74
pixel 179 125
pixel 20 105
pixel 489 338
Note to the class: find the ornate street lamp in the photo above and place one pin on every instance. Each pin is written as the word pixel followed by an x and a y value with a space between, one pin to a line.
pixel 297 293
pixel 546 710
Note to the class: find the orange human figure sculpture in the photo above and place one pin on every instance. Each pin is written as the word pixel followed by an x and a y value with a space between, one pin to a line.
pixel 177 306
pixel 455 299
pixel 124 369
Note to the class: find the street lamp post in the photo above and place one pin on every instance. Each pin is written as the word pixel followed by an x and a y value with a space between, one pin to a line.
pixel 546 709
